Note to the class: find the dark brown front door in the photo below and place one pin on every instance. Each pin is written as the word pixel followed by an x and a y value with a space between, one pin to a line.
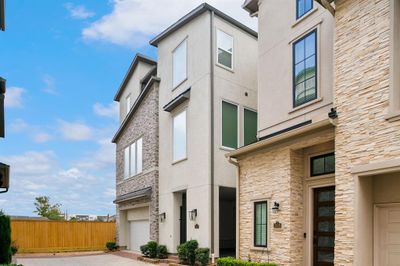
pixel 324 226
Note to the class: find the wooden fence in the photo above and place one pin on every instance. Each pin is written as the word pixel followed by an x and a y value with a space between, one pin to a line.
pixel 58 236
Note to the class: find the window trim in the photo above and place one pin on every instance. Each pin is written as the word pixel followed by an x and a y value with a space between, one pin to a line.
pixel 216 50
pixel 252 110
pixel 313 31
pixel 174 86
pixel 238 123
pixel 186 135
pixel 126 103
pixel 255 203
pixel 130 173
pixel 321 155
pixel 305 12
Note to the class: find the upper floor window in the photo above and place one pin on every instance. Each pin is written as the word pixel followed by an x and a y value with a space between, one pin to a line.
pixel 260 224
pixel 305 69
pixel 302 7
pixel 179 136
pixel 179 62
pixel 128 104
pixel 322 164
pixel 225 49
pixel 249 126
pixel 133 159
pixel 229 125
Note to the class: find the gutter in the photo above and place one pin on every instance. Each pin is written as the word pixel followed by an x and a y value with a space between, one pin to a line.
pixel 212 127
pixel 235 163
pixel 281 137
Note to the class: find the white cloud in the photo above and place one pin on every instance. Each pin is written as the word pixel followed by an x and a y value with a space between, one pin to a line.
pixel 110 110
pixel 31 163
pixel 50 83
pixel 18 125
pixel 41 137
pixel 103 157
pixel 132 23
pixel 78 12
pixel 75 130
pixel 14 97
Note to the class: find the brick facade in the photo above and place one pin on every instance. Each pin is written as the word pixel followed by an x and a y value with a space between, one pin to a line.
pixel 363 135
pixel 144 123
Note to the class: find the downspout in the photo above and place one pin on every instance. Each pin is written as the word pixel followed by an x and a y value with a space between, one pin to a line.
pixel 212 126
pixel 235 163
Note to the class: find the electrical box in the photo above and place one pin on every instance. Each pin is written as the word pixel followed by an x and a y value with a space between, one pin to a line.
pixel 4 177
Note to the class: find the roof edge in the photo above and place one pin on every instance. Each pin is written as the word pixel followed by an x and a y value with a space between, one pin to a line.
pixel 138 58
pixel 193 14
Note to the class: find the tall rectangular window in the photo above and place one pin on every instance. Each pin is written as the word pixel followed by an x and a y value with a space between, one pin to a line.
pixel 250 126
pixel 179 62
pixel 260 224
pixel 179 136
pixel 133 159
pixel 322 164
pixel 128 104
pixel 229 125
pixel 225 49
pixel 305 69
pixel 302 7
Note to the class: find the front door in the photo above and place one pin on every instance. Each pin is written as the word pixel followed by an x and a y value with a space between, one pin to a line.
pixel 324 226
pixel 183 219
pixel 387 242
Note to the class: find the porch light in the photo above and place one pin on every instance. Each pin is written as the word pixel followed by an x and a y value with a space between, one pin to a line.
pixel 193 214
pixel 162 217
pixel 275 208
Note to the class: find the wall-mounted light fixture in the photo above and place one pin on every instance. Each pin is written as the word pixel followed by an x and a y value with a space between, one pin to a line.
pixel 275 208
pixel 162 217
pixel 193 214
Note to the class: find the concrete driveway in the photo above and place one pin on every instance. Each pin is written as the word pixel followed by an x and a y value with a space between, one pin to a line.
pixel 92 260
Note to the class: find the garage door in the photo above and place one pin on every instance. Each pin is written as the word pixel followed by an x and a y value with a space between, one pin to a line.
pixel 388 236
pixel 139 234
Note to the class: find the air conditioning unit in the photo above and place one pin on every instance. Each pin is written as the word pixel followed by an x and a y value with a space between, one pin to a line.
pixel 4 177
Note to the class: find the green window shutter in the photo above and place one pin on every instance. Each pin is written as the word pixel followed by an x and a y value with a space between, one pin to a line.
pixel 229 125
pixel 250 127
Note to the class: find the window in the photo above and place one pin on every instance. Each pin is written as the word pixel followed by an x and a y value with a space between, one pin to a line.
pixel 229 125
pixel 249 126
pixel 304 69
pixel 133 157
pixel 225 49
pixel 179 60
pixel 179 137
pixel 128 104
pixel 302 7
pixel 260 224
pixel 323 164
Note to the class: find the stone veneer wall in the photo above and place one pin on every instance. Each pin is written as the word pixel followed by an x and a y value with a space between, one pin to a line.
pixel 363 136
pixel 276 174
pixel 144 123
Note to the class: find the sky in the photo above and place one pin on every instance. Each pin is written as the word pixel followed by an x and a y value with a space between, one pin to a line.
pixel 63 62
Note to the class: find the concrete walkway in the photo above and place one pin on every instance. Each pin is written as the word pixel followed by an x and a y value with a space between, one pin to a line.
pixel 92 260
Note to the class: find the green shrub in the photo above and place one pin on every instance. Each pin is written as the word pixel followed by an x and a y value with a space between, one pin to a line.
pixel 145 250
pixel 229 261
pixel 14 248
pixel 5 239
pixel 152 249
pixel 162 252
pixel 111 246
pixel 187 252
pixel 203 256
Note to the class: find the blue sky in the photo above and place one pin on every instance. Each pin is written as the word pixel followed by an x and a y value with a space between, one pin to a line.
pixel 63 62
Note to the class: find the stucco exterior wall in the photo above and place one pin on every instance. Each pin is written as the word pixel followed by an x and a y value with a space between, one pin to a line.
pixel 144 124
pixel 363 135
pixel 278 30
pixel 277 174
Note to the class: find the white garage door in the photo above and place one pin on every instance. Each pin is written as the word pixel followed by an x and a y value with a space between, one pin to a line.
pixel 388 236
pixel 140 234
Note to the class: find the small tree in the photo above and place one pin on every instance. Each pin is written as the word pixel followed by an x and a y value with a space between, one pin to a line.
pixel 45 209
pixel 5 239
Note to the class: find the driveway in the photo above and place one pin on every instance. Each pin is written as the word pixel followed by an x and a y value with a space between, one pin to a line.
pixel 92 260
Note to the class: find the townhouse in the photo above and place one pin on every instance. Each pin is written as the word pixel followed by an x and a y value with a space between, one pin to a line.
pixel 137 155
pixel 207 106
pixel 321 186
